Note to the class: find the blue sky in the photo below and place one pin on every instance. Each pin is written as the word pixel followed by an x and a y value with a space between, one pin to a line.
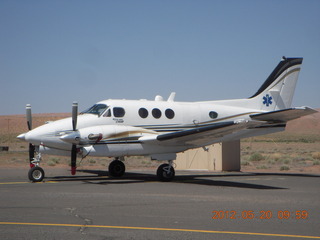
pixel 55 52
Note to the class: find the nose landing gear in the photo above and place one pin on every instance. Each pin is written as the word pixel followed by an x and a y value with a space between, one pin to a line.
pixel 36 173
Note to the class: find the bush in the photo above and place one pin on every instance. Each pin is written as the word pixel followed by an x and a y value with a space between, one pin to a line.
pixel 245 163
pixel 316 155
pixel 284 168
pixel 51 163
pixel 256 157
pixel 262 167
pixel 316 162
pixel 92 161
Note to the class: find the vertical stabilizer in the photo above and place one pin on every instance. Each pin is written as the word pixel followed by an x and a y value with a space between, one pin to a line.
pixel 277 91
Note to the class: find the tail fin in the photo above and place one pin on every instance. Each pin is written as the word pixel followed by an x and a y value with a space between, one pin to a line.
pixel 277 91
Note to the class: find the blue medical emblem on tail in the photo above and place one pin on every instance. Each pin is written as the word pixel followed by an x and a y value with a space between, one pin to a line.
pixel 267 100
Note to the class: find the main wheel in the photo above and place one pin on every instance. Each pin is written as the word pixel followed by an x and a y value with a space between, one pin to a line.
pixel 116 168
pixel 165 173
pixel 36 174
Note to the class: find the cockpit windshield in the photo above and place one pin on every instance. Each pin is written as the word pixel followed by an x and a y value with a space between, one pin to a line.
pixel 96 109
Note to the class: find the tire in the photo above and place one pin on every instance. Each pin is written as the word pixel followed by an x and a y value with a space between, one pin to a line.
pixel 116 168
pixel 36 174
pixel 163 174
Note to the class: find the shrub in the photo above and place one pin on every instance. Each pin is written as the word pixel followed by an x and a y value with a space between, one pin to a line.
pixel 276 156
pixel 51 163
pixel 316 155
pixel 262 167
pixel 272 162
pixel 54 160
pixel 284 168
pixel 92 161
pixel 256 157
pixel 316 162
pixel 245 163
pixel 286 161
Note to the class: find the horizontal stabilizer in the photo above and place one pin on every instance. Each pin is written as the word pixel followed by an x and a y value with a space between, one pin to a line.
pixel 283 115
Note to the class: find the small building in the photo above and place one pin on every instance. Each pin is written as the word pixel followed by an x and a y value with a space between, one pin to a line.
pixel 217 157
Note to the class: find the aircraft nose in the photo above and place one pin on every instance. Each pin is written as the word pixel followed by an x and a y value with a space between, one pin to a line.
pixel 22 136
pixel 32 137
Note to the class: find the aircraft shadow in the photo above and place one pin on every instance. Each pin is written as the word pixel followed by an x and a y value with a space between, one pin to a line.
pixel 101 177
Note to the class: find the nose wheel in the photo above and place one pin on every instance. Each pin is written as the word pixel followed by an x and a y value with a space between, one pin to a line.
pixel 36 174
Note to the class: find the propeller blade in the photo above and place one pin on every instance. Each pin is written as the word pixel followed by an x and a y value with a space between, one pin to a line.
pixel 74 115
pixel 29 116
pixel 31 154
pixel 29 123
pixel 74 146
pixel 73 159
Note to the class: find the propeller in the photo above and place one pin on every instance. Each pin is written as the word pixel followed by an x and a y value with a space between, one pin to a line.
pixel 29 116
pixel 74 146
pixel 29 123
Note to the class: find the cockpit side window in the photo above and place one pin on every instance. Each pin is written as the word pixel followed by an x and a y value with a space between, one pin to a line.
pixel 107 113
pixel 96 109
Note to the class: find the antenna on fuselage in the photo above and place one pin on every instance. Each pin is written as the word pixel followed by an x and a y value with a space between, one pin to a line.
pixel 171 97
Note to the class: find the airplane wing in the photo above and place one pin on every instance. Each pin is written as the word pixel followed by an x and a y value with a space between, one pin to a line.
pixel 283 115
pixel 198 136
pixel 217 132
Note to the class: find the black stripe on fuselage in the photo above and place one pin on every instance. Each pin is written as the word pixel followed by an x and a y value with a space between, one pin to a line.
pixel 168 136
pixel 282 66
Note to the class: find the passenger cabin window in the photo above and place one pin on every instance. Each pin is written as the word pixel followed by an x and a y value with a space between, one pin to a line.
pixel 213 114
pixel 118 112
pixel 169 113
pixel 143 113
pixel 96 109
pixel 156 113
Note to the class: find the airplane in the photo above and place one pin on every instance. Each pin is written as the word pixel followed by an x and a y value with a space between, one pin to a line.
pixel 162 128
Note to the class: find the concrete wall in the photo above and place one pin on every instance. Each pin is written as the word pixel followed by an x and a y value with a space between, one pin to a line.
pixel 218 157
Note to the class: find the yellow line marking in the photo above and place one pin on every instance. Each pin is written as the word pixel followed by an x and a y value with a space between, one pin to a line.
pixel 7 183
pixel 4 183
pixel 159 229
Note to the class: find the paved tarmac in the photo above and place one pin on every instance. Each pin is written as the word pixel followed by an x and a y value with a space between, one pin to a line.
pixel 196 205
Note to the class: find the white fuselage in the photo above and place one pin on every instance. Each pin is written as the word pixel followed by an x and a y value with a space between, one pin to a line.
pixel 130 119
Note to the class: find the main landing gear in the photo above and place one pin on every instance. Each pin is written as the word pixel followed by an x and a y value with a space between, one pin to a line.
pixel 165 172
pixel 116 168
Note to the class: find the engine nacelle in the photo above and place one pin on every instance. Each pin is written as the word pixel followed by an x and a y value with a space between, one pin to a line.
pixel 102 133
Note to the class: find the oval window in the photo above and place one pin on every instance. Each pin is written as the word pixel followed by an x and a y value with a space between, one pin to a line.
pixel 156 113
pixel 169 113
pixel 143 113
pixel 118 112
pixel 213 114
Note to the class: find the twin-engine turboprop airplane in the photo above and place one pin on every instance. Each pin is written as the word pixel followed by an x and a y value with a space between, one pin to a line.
pixel 161 129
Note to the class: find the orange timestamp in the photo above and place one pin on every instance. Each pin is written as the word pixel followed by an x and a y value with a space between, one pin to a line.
pixel 263 214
